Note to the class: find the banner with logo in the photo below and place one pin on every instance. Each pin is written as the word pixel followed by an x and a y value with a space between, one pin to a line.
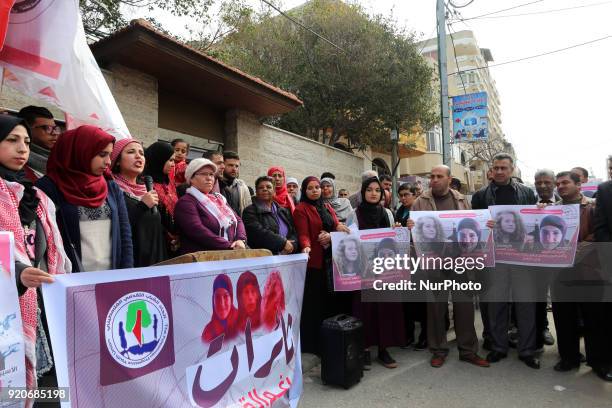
pixel 356 254
pixel 12 358
pixel 470 120
pixel 442 234
pixel 527 235
pixel 46 56
pixel 212 334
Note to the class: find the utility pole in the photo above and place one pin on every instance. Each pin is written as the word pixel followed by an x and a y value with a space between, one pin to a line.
pixel 394 166
pixel 444 111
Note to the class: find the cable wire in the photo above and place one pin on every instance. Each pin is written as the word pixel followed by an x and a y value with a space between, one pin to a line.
pixel 299 23
pixel 501 11
pixel 450 32
pixel 545 11
pixel 537 55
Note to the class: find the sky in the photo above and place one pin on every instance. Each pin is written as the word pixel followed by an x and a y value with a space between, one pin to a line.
pixel 555 108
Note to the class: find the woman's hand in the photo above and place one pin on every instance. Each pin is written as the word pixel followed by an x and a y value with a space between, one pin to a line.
pixel 33 277
pixel 410 223
pixel 491 224
pixel 306 251
pixel 238 244
pixel 288 249
pixel 324 239
pixel 150 199
pixel 343 228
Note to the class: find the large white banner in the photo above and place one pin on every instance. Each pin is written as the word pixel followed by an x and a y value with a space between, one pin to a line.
pixel 46 56
pixel 211 334
pixel 12 358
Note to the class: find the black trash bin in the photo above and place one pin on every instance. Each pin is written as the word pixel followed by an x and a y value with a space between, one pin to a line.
pixel 341 345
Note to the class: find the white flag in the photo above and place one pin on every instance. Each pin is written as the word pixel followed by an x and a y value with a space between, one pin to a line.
pixel 46 56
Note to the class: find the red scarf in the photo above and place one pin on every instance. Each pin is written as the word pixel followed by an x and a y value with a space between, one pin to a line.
pixel 282 196
pixel 167 193
pixel 69 165
pixel 133 189
pixel 179 172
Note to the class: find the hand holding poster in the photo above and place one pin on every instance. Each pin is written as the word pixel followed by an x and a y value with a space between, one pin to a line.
pixel 527 235
pixel 207 334
pixel 356 254
pixel 454 234
pixel 12 358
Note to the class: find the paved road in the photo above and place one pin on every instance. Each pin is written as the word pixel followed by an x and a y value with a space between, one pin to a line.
pixel 506 384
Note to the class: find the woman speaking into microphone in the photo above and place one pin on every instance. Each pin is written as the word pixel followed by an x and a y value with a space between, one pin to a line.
pixel 127 164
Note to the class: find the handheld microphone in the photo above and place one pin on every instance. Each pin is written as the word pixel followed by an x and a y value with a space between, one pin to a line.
pixel 148 181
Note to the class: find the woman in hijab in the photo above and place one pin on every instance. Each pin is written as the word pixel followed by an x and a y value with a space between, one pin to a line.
pixel 204 218
pixel 342 206
pixel 293 188
pixel 225 315
pixel 29 214
pixel 314 220
pixel 148 234
pixel 159 164
pixel 91 213
pixel 282 196
pixel 383 322
pixel 249 301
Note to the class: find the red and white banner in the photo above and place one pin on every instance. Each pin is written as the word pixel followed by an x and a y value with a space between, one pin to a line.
pixel 211 334
pixel 46 56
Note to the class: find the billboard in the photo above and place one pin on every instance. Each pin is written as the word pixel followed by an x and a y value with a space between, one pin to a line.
pixel 470 121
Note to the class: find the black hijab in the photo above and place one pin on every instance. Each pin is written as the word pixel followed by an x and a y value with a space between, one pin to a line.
pixel 29 201
pixel 156 157
pixel 369 215
pixel 326 217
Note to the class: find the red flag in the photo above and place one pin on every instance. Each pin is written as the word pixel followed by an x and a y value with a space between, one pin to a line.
pixel 5 11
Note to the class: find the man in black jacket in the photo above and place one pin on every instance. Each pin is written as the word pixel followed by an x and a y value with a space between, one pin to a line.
pixel 508 279
pixel 603 234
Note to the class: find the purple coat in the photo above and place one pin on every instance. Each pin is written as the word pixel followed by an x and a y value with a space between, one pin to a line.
pixel 199 230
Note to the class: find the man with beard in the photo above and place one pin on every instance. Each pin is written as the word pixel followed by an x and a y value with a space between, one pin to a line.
pixel 235 190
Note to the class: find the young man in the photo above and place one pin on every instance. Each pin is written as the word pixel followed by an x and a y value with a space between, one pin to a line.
pixel 440 197
pixel 235 190
pixel 583 174
pixel 576 291
pixel 387 183
pixel 508 281
pixel 217 159
pixel 44 135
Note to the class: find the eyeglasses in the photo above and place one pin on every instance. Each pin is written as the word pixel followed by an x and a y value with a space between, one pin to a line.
pixel 51 130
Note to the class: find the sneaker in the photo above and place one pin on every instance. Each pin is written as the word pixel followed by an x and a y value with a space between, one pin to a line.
pixel 421 345
pixel 437 361
pixel 385 359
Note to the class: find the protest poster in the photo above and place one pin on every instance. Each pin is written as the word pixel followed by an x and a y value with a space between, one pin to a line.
pixel 470 120
pixel 527 235
pixel 354 256
pixel 212 334
pixel 453 234
pixel 12 358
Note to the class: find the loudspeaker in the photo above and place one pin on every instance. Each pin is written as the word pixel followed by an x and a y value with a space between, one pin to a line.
pixel 342 347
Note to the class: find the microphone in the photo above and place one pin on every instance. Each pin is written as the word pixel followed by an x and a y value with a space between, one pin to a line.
pixel 148 180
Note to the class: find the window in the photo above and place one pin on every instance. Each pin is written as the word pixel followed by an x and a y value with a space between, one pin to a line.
pixel 434 141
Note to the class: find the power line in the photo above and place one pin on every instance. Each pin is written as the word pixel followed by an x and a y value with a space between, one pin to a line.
pixel 456 6
pixel 450 32
pixel 537 55
pixel 501 11
pixel 299 23
pixel 545 11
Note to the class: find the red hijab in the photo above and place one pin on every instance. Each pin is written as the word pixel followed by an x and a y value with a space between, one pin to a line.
pixel 282 196
pixel 69 165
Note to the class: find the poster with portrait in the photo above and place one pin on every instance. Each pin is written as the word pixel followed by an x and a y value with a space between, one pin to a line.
pixel 12 357
pixel 527 235
pixel 355 255
pixel 209 334
pixel 454 234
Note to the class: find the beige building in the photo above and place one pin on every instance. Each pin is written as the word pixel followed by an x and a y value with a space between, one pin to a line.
pixel 166 90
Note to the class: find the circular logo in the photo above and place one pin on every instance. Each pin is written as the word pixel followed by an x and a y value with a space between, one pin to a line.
pixel 136 329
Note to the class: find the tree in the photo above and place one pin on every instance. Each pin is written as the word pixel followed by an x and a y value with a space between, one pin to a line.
pixel 484 151
pixel 101 17
pixel 373 82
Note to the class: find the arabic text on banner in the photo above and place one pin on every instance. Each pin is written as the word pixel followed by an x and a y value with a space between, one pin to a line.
pixel 210 334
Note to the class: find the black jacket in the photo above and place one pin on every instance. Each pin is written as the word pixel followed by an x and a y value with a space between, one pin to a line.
pixel 483 198
pixel 603 213
pixel 263 231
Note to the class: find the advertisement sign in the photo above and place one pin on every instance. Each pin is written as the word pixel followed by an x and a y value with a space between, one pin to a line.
pixel 470 121
pixel 212 334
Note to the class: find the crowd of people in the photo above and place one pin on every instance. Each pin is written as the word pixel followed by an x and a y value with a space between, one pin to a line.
pixel 80 201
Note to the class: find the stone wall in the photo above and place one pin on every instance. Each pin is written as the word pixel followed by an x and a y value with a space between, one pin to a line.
pixel 262 146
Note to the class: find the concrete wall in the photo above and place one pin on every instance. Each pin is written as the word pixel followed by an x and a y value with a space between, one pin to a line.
pixel 263 146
